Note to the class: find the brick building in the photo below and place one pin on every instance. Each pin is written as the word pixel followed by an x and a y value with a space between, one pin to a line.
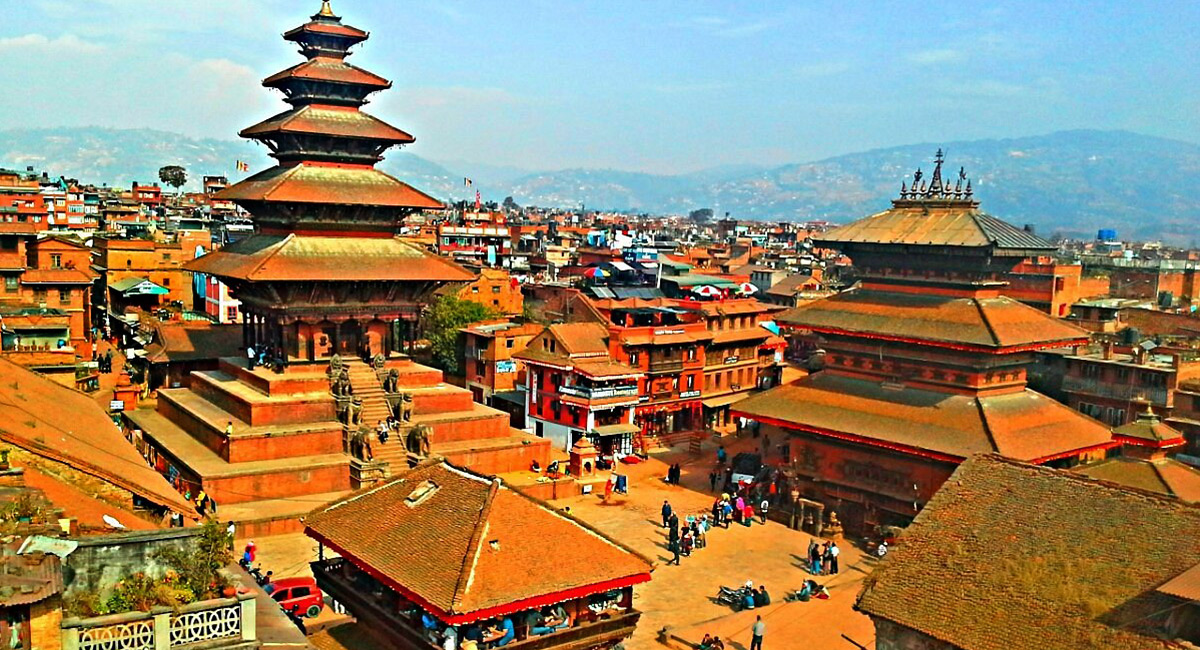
pixel 496 290
pixel 490 364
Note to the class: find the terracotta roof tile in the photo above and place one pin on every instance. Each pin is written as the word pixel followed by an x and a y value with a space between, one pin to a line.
pixel 176 342
pixel 1009 556
pixel 313 183
pixel 1024 425
pixel 1163 475
pixel 65 425
pixel 922 225
pixel 470 543
pixel 983 322
pixel 328 69
pixel 56 276
pixel 299 257
pixel 329 120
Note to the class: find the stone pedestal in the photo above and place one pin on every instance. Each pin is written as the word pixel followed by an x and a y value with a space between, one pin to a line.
pixel 365 473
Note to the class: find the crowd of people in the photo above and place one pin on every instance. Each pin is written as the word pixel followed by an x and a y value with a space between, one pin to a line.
pixel 823 558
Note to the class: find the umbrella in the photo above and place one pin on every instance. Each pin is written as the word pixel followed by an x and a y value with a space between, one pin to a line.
pixel 596 272
pixel 747 289
pixel 707 290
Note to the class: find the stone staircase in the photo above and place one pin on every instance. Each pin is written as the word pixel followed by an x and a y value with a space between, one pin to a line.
pixel 366 386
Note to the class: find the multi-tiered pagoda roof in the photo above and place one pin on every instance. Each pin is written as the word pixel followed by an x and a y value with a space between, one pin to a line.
pixel 325 248
pixel 925 354
pixel 326 145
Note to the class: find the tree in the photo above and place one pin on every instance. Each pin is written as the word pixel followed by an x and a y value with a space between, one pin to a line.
pixel 701 215
pixel 510 204
pixel 173 175
pixel 443 319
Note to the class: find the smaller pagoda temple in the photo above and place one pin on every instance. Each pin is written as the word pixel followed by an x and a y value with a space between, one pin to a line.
pixel 442 552
pixel 925 361
pixel 1143 462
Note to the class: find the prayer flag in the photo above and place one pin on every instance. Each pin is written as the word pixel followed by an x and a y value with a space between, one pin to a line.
pixel 468 182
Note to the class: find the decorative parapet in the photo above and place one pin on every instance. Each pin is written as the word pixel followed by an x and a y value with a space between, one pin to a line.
pixel 216 623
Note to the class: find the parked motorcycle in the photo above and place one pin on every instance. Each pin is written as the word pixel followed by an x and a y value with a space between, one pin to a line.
pixel 739 598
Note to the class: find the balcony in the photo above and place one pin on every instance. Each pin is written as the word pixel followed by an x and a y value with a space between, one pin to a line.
pixel 666 365
pixel 401 632
pixel 1108 390
pixel 603 392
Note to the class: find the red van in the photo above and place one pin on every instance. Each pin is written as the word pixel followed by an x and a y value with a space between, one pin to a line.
pixel 299 595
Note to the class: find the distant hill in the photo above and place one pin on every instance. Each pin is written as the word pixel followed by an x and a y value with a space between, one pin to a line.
pixel 1072 182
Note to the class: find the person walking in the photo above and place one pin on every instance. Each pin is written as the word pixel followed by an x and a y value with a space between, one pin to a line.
pixel 673 523
pixel 666 513
pixel 712 480
pixel 757 632
pixel 673 545
pixel 762 510
pixel 834 551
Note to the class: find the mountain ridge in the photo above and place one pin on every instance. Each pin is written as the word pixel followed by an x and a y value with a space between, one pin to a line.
pixel 1069 182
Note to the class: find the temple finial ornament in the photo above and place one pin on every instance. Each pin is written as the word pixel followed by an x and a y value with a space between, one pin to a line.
pixel 936 189
pixel 326 10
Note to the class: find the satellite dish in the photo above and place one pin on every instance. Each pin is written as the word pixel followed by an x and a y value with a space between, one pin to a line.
pixel 112 521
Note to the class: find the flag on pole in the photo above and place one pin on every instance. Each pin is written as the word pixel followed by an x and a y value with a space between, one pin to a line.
pixel 467 182
pixel 477 203
pixel 243 166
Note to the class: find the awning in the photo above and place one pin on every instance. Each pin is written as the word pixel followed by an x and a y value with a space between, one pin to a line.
pixel 724 400
pixel 138 287
pixel 615 429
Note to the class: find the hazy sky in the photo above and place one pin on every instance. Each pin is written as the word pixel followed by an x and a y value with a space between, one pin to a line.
pixel 638 85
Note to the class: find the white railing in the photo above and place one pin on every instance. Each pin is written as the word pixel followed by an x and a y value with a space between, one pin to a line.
pixel 206 625
pixel 212 622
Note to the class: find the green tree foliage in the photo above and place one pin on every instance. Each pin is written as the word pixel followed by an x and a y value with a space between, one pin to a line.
pixel 173 175
pixel 443 319
pixel 199 562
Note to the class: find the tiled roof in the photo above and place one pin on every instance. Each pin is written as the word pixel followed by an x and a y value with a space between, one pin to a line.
pixel 958 226
pixel 1162 475
pixel 581 338
pixel 790 285
pixel 56 276
pixel 742 334
pixel 1148 429
pixel 1185 585
pixel 67 426
pixel 176 342
pixel 1024 425
pixel 999 322
pixel 340 121
pixel 300 257
pixel 461 543
pixel 327 69
pixel 316 183
pixel 605 369
pixel 1009 556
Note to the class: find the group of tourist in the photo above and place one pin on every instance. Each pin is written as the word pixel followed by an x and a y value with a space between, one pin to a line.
pixel 823 558
pixel 104 362
pixel 495 633
pixel 687 536
pixel 274 359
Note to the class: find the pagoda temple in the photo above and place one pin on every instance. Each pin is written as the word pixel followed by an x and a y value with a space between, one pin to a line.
pixel 330 297
pixel 324 272
pixel 925 361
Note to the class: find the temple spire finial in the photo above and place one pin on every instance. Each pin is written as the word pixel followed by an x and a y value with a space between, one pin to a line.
pixel 937 188
pixel 326 9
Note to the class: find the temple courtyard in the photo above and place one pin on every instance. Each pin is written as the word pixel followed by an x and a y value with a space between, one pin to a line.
pixel 679 599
